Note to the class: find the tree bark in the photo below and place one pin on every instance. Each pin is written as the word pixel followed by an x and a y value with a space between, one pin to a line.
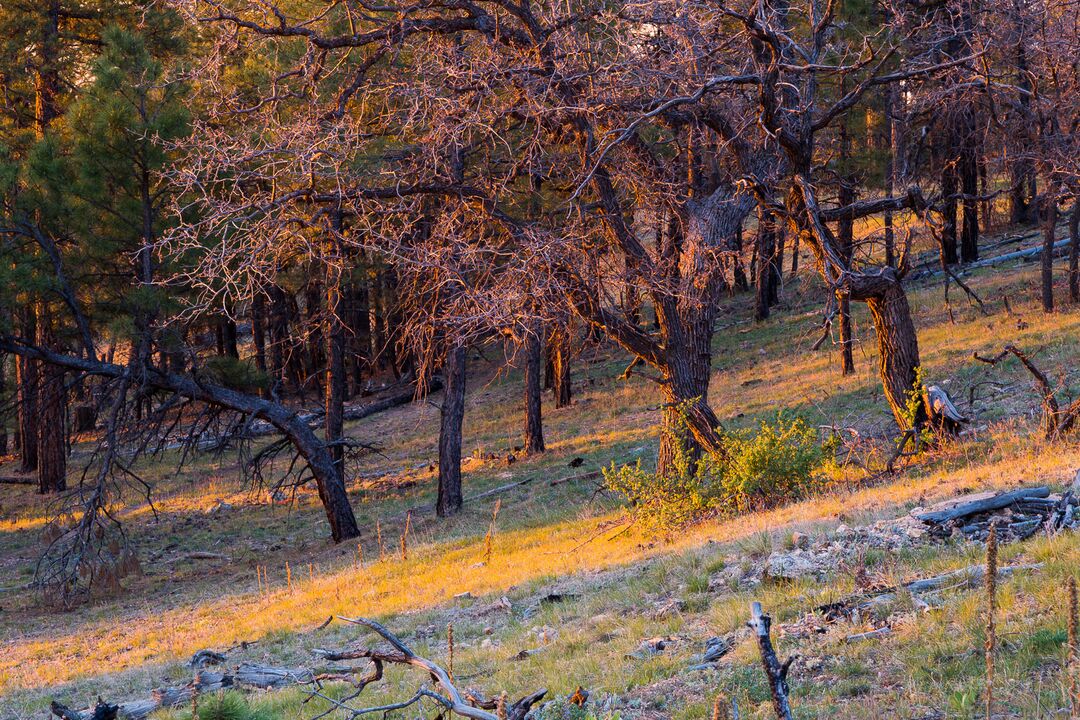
pixel 688 424
pixel 1074 252
pixel 279 330
pixel 765 270
pixel 258 330
pixel 560 352
pixel 228 332
pixel 968 167
pixel 52 414
pixel 898 344
pixel 358 336
pixel 27 373
pixel 846 237
pixel 1047 267
pixel 3 419
pixel 949 255
pixel 534 427
pixel 451 414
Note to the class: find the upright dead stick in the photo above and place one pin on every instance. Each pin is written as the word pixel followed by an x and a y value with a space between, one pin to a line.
pixel 1074 647
pixel 776 672
pixel 991 607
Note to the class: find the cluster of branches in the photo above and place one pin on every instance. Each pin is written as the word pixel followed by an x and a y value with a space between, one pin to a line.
pixel 383 187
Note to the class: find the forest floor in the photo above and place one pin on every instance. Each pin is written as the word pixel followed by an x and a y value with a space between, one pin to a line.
pixel 586 596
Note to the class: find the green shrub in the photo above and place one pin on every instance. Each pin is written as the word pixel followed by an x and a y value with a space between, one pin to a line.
pixel 782 461
pixel 225 705
pixel 779 462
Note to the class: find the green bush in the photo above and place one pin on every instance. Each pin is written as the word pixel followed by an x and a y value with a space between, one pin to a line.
pixel 779 462
pixel 782 461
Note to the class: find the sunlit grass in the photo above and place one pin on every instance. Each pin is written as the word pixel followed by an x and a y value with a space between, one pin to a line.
pixel 568 533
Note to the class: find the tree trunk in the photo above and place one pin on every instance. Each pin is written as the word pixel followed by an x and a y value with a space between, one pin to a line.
pixel 335 375
pixel 766 271
pixel 52 415
pixel 898 343
pixel 739 273
pixel 1074 252
pixel 358 336
pixel 258 330
pixel 451 416
pixel 534 427
pixel 27 373
pixel 3 418
pixel 1049 223
pixel 279 331
pixel 314 361
pixel 968 168
pixel 561 351
pixel 948 214
pixel 689 426
pixel 228 331
pixel 846 236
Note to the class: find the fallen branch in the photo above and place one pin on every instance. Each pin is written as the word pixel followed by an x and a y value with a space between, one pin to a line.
pixel 450 698
pixel 1056 422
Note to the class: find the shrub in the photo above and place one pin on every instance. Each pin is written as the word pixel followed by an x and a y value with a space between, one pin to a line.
pixel 225 705
pixel 782 461
pixel 779 462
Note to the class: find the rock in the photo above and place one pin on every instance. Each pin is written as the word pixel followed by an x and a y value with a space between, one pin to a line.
pixel 464 596
pixel 503 604
pixel 790 566
pixel 650 647
pixel 667 608
pixel 800 540
pixel 717 647
pixel 1075 487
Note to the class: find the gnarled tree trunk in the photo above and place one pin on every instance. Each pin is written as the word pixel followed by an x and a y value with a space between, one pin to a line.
pixel 898 343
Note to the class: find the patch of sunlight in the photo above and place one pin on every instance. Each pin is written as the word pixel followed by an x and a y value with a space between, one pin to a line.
pixel 434 573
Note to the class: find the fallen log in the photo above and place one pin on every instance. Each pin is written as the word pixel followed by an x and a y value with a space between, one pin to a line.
pixel 985 503
pixel 246 675
pixel 17 480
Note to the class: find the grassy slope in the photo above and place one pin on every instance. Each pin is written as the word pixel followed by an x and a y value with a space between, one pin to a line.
pixel 566 537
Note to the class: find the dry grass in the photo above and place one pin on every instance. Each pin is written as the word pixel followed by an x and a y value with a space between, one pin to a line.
pixel 568 536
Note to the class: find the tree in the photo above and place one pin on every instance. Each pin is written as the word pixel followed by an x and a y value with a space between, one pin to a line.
pixel 451 414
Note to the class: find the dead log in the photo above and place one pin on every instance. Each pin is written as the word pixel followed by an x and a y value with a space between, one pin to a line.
pixel 776 672
pixel 942 413
pixel 101 711
pixel 266 677
pixel 983 504
pixel 17 480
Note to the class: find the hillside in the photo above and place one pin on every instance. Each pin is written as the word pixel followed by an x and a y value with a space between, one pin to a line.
pixel 590 600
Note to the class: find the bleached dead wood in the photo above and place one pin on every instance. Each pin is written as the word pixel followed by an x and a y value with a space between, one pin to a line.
pixel 246 675
pixel 448 696
pixel 776 671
